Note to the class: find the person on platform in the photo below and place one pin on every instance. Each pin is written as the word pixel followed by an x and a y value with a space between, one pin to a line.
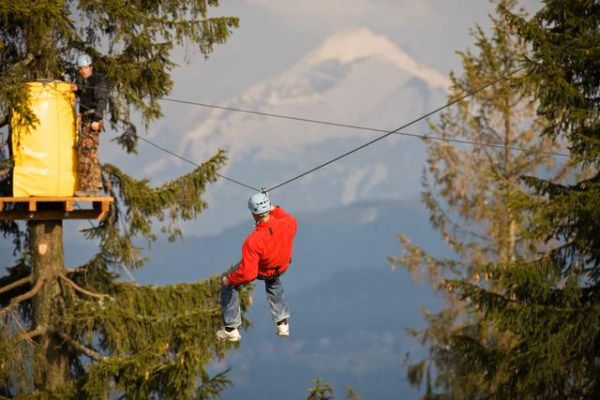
pixel 92 91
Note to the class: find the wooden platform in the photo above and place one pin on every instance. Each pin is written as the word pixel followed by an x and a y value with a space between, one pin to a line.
pixel 54 208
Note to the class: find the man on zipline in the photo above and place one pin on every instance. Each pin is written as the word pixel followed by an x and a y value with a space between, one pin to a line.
pixel 266 255
pixel 92 92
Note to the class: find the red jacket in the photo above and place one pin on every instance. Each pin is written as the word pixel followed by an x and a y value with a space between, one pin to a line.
pixel 268 250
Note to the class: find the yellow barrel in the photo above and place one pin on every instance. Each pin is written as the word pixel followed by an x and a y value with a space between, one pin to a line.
pixel 44 155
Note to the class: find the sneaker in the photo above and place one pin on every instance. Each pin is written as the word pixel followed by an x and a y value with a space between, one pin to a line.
pixel 283 329
pixel 232 336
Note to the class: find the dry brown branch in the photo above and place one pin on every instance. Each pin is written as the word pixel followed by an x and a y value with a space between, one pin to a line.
pixel 29 335
pixel 15 284
pixel 78 270
pixel 16 300
pixel 82 290
pixel 93 354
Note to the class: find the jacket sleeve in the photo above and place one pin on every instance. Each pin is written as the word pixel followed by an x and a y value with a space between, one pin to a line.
pixel 248 268
pixel 101 97
pixel 279 212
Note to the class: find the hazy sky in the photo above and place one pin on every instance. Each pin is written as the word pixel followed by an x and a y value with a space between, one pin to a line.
pixel 273 36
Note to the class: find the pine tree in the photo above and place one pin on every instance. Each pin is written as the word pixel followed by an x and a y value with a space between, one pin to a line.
pixel 551 305
pixel 351 394
pixel 469 191
pixel 321 391
pixel 81 332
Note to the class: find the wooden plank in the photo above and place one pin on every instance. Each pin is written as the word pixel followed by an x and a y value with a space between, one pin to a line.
pixel 55 199
pixel 60 208
pixel 102 205
pixel 105 209
pixel 49 215
pixel 85 214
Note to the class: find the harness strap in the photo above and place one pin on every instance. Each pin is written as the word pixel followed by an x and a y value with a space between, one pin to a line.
pixel 274 276
pixel 269 278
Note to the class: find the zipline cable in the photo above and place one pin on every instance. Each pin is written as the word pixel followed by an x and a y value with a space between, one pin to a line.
pixel 449 104
pixel 364 128
pixel 359 127
pixel 352 126
pixel 193 163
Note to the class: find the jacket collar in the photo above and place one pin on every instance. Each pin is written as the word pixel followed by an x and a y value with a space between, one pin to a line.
pixel 266 224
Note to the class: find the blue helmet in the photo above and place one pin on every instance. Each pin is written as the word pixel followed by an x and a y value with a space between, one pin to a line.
pixel 84 60
pixel 259 203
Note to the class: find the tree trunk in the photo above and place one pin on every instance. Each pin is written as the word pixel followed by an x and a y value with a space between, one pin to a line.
pixel 509 241
pixel 47 261
pixel 46 243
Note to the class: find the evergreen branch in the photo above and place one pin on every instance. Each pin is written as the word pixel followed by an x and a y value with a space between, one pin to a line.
pixel 15 301
pixel 132 47
pixel 29 335
pixel 93 354
pixel 15 284
pixel 82 290
pixel 449 226
pixel 9 75
pixel 212 386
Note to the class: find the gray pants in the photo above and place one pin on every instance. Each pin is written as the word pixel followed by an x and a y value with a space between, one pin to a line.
pixel 230 303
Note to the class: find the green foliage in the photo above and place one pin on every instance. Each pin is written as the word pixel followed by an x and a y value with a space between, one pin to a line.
pixel 80 333
pixel 15 95
pixel 564 70
pixel 143 340
pixel 159 338
pixel 212 386
pixel 320 391
pixel 352 395
pixel 474 197
pixel 550 306
pixel 139 205
pixel 130 41
pixel 555 330
pixel 323 391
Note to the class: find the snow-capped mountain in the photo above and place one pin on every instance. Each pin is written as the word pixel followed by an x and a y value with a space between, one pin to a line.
pixel 355 77
pixel 349 79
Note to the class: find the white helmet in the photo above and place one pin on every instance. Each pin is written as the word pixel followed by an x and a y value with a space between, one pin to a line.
pixel 84 60
pixel 259 203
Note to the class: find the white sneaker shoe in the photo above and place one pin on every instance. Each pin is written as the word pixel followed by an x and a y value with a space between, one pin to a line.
pixel 283 329
pixel 232 336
